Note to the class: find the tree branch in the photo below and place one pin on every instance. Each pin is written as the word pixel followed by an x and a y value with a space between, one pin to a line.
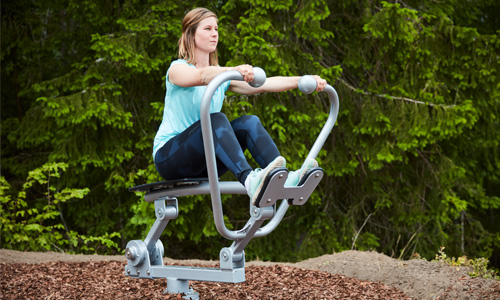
pixel 392 97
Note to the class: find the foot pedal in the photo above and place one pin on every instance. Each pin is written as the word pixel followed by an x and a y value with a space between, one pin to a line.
pixel 310 180
pixel 276 177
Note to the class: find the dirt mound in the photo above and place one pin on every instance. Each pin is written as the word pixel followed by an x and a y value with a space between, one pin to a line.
pixel 345 275
pixel 418 278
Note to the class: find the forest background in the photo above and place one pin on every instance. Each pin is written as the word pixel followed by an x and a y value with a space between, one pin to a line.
pixel 412 164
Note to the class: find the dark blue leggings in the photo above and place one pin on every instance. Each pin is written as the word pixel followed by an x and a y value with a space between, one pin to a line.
pixel 184 155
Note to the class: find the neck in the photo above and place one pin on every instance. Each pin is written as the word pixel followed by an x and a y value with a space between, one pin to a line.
pixel 202 59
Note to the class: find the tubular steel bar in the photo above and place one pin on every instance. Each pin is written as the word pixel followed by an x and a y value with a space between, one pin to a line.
pixel 208 144
pixel 206 128
pixel 313 153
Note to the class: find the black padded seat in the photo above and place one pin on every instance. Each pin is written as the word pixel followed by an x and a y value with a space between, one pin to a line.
pixel 167 184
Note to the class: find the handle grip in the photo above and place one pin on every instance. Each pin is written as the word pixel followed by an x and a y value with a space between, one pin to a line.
pixel 259 77
pixel 307 84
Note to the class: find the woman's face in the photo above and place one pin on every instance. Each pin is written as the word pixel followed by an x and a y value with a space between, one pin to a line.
pixel 206 36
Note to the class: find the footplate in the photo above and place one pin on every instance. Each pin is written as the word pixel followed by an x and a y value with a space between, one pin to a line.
pixel 297 195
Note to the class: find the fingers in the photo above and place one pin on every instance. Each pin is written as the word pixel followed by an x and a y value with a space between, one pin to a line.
pixel 247 72
pixel 320 83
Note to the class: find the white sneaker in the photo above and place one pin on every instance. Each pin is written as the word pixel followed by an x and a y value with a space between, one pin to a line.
pixel 294 177
pixel 255 180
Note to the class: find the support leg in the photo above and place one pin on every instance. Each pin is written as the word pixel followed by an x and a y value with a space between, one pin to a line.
pixel 234 257
pixel 166 210
pixel 181 286
pixel 141 255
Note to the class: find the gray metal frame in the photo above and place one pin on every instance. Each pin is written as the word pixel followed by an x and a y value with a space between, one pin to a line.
pixel 144 258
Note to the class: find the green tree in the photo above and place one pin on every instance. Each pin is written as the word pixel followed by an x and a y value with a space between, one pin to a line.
pixel 411 165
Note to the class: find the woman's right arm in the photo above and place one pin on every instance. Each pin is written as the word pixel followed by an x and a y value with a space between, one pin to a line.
pixel 187 76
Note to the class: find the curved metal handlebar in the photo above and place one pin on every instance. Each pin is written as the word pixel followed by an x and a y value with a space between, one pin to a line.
pixel 305 85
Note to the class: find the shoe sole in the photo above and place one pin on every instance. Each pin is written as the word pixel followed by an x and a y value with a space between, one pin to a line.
pixel 305 171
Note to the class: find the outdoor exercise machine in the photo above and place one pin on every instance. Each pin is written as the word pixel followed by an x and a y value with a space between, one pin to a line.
pixel 145 258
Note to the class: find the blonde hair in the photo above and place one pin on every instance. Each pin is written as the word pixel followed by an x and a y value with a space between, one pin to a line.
pixel 186 41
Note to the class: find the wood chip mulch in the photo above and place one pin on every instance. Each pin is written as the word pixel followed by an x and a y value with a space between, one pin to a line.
pixel 106 280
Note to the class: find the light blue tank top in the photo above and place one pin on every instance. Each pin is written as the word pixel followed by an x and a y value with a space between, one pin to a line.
pixel 182 108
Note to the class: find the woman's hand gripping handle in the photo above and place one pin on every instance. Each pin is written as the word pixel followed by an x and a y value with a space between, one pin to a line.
pixel 255 76
pixel 311 83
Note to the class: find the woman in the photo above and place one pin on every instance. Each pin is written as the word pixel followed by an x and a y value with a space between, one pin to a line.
pixel 178 146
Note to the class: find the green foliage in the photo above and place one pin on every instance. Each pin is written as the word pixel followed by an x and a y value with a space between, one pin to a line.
pixel 413 161
pixel 478 266
pixel 39 225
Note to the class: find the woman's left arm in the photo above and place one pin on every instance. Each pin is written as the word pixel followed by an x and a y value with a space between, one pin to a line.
pixel 273 85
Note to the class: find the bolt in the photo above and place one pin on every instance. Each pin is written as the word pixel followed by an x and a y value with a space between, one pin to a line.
pixel 160 212
pixel 281 175
pixel 301 199
pixel 269 200
pixel 128 271
pixel 147 272
pixel 129 253
pixel 138 272
pixel 317 175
